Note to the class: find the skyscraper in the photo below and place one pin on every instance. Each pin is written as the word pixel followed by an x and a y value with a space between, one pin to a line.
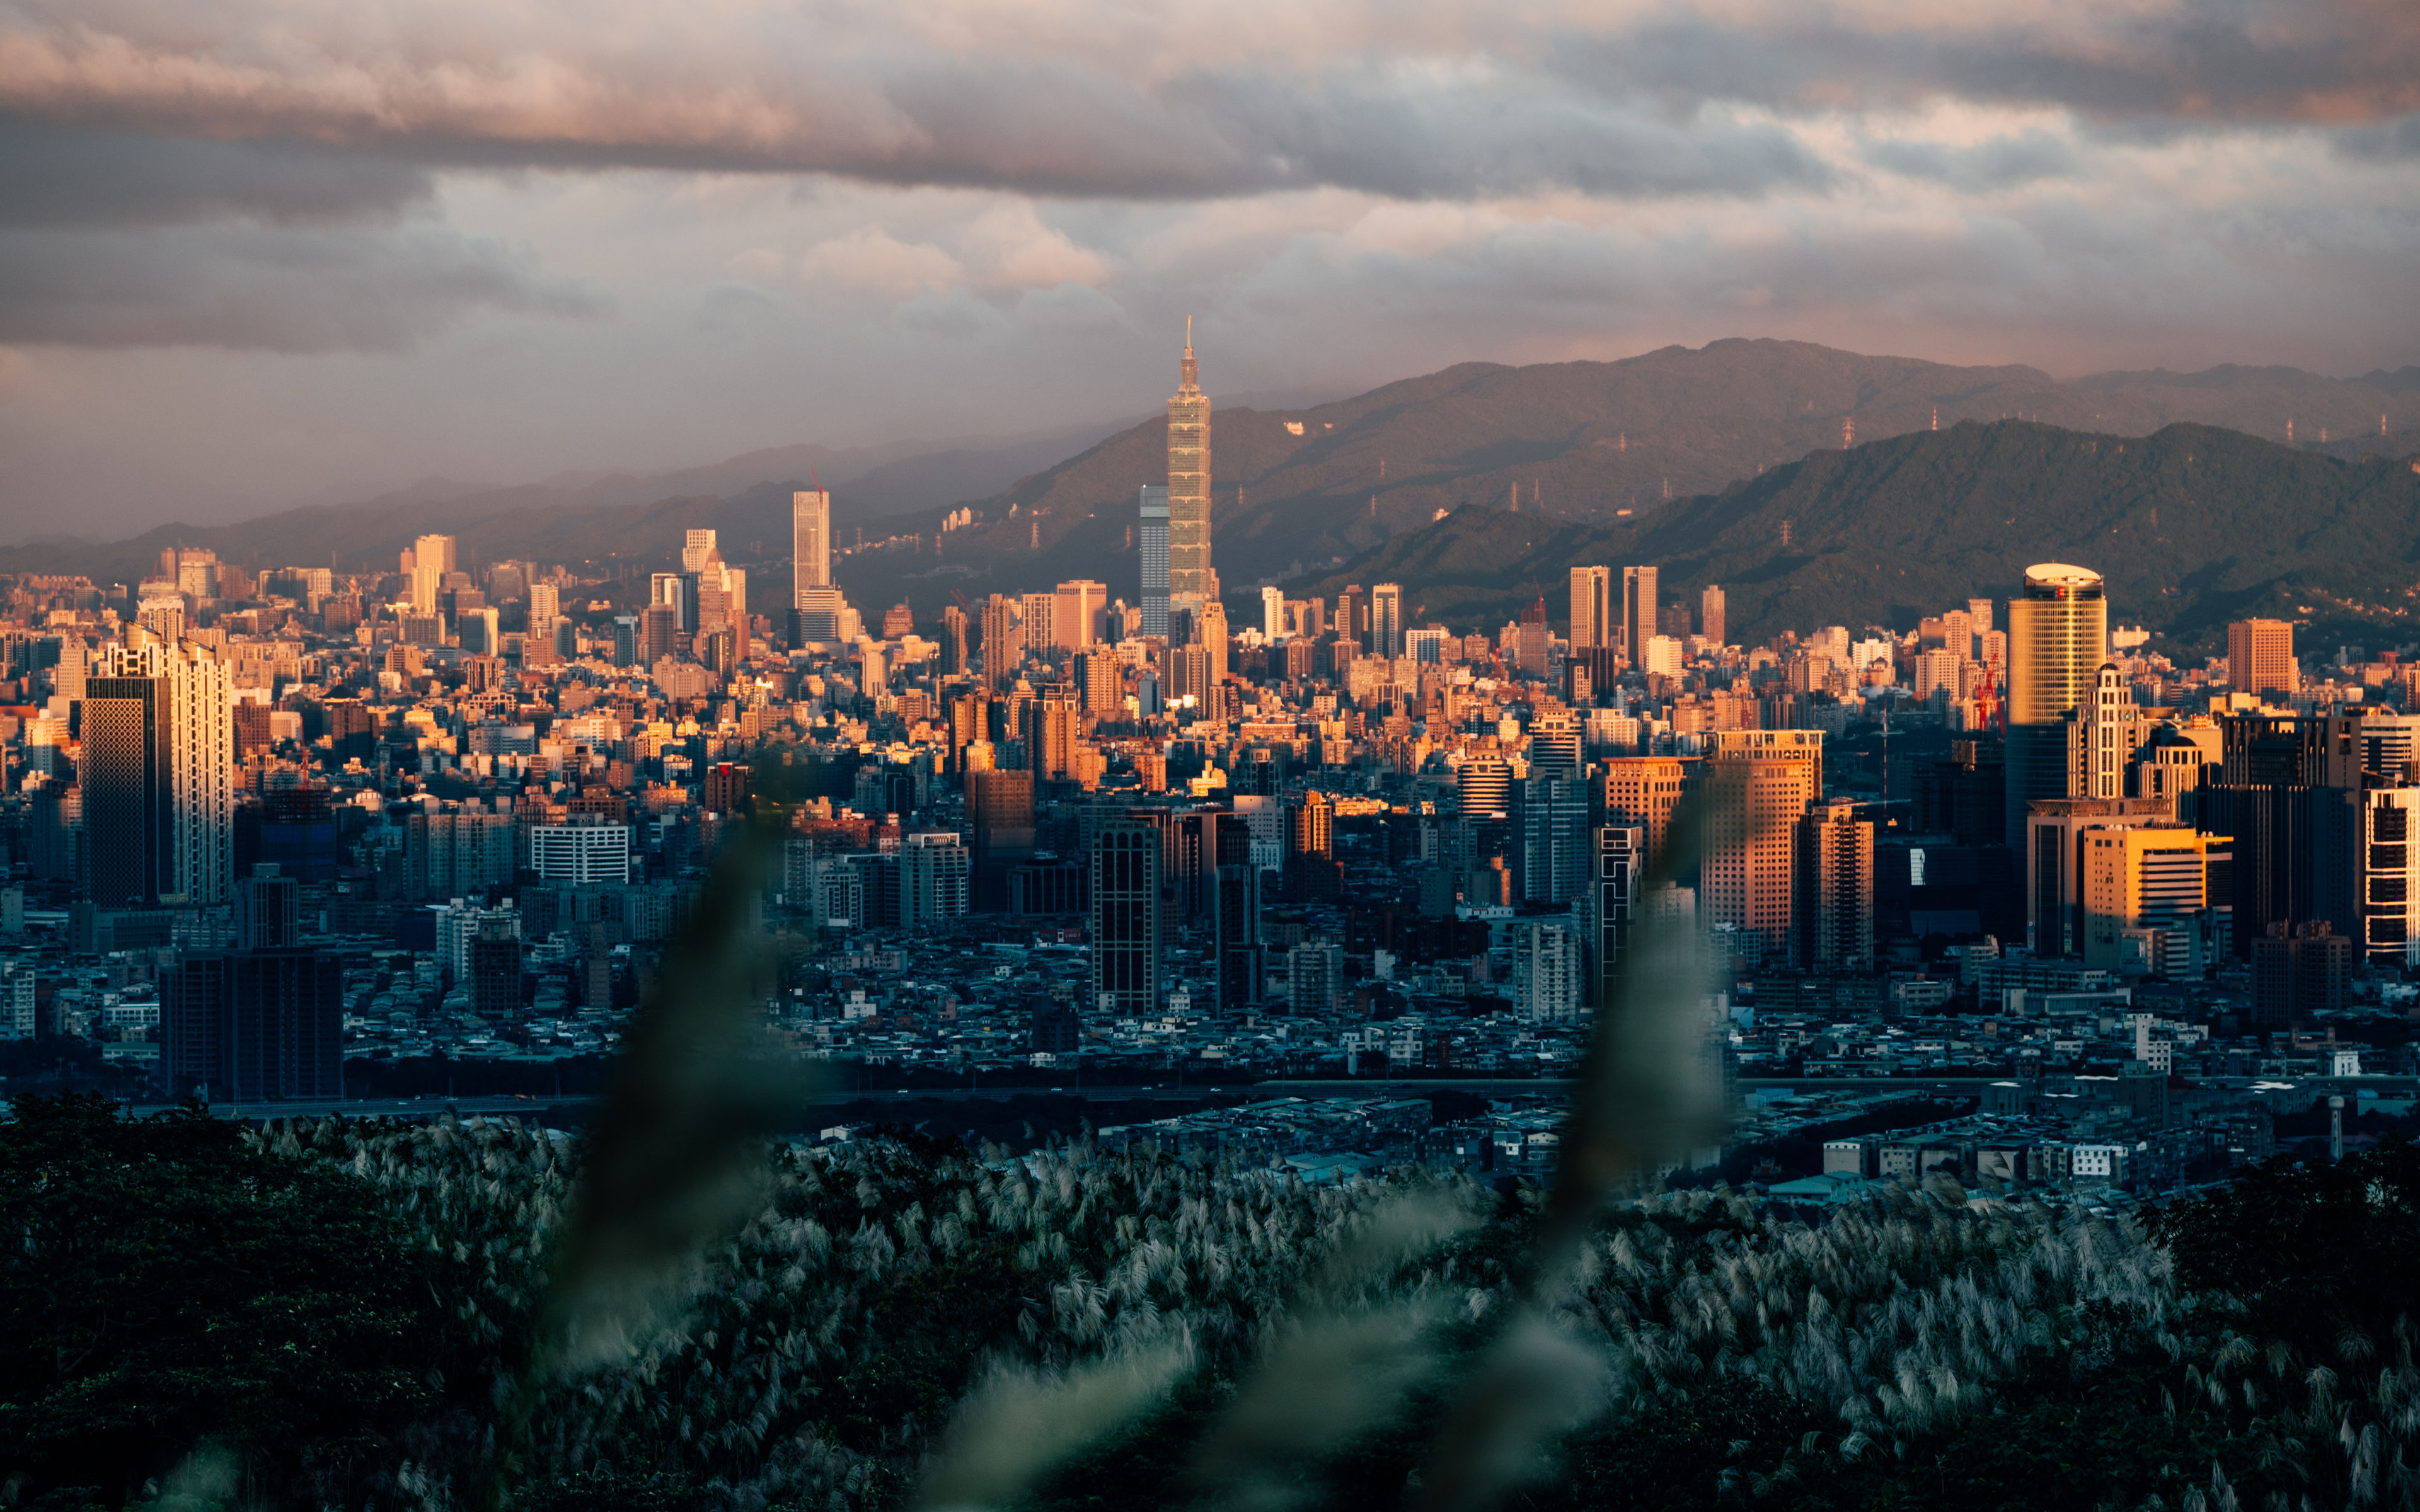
pixel 1637 612
pixel 810 542
pixel 1591 605
pixel 1387 620
pixel 1237 914
pixel 128 819
pixel 1125 920
pixel 2058 636
pixel 1004 640
pixel 1151 541
pixel 1713 621
pixel 432 558
pixel 1757 783
pixel 1833 915
pixel 1191 582
pixel 2260 658
pixel 201 775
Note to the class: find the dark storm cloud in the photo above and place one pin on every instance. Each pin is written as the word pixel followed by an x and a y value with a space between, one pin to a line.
pixel 308 289
pixel 56 177
pixel 1412 104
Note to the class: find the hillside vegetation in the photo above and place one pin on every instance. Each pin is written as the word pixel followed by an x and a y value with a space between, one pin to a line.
pixel 1077 1328
pixel 2192 526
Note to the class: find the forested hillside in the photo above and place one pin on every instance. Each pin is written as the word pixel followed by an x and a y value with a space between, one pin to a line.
pixel 2192 526
pixel 341 1315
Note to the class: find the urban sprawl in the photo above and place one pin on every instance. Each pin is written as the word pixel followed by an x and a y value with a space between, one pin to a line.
pixel 2011 895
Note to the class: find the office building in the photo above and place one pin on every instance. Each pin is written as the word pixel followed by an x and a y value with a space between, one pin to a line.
pixel 1713 621
pixel 491 966
pixel 268 910
pixel 1273 615
pixel 1191 581
pixel 129 820
pixel 1151 546
pixel 580 855
pixel 1754 799
pixel 1639 626
pixel 1004 640
pixel 1591 606
pixel 2059 637
pixel 1124 888
pixel 1387 620
pixel 1000 811
pixel 810 542
pixel 1617 866
pixel 1833 914
pixel 2103 733
pixel 2146 899
pixel 1076 609
pixel 2287 791
pixel 1484 786
pixel 1052 731
pixel 2260 658
pixel 432 558
pixel 2053 859
pixel 954 641
pixel 1555 838
pixel 2390 879
pixel 1646 790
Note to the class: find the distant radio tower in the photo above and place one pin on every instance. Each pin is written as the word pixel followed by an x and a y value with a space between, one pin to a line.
pixel 1516 498
pixel 1936 417
pixel 1848 433
pixel 2290 430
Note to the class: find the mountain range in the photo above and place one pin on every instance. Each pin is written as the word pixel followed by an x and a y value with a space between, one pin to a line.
pixel 2189 526
pixel 1632 449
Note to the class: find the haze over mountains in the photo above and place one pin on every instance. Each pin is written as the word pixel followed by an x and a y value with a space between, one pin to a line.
pixel 1297 490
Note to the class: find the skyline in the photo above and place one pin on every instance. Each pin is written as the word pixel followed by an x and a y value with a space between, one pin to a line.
pixel 247 275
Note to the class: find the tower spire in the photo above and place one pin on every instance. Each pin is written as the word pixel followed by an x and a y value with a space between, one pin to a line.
pixel 1190 374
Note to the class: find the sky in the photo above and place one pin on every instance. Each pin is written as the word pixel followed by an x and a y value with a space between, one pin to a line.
pixel 263 253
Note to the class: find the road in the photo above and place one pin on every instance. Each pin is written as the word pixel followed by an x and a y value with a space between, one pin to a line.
pixel 576 1106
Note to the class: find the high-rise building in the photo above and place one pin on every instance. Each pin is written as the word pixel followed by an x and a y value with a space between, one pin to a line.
pixel 1548 968
pixel 1236 915
pixel 810 542
pixel 2299 974
pixel 1485 785
pixel 1555 838
pixel 1051 736
pixel 1755 795
pixel 1618 866
pixel 1833 914
pixel 1125 866
pixel 1273 615
pixel 1100 679
pixel 1638 592
pixel 1075 613
pixel 1151 546
pixel 432 558
pixel 954 641
pixel 2390 880
pixel 2144 891
pixel 1387 620
pixel 2260 658
pixel 2059 637
pixel 1210 633
pixel 1315 977
pixel 1713 622
pixel 255 1025
pixel 158 777
pixel 1004 640
pixel 2103 733
pixel 2052 860
pixel 1644 791
pixel 1000 811
pixel 1191 581
pixel 933 869
pixel 267 909
pixel 1591 606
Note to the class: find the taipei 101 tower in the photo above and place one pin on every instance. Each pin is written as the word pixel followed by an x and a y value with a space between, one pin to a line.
pixel 1191 583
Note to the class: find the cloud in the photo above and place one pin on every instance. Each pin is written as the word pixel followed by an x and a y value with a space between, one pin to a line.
pixel 313 289
pixel 59 176
pixel 2003 162
pixel 1645 100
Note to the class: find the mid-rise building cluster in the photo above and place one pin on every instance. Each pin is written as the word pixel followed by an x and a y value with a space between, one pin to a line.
pixel 285 832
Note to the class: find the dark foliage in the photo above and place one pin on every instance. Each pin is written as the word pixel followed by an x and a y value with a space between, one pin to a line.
pixel 165 1288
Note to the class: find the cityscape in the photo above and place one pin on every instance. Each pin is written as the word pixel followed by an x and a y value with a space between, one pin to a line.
pixel 1465 761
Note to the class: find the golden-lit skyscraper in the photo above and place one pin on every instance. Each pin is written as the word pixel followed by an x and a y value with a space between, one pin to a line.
pixel 2058 636
pixel 1191 582
pixel 1591 606
pixel 810 542
pixel 1638 598
pixel 2260 658
pixel 432 558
